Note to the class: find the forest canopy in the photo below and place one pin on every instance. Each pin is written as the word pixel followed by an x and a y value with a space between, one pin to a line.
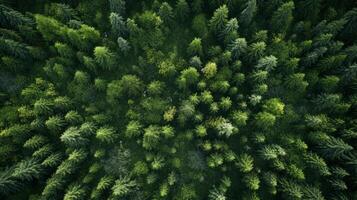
pixel 178 99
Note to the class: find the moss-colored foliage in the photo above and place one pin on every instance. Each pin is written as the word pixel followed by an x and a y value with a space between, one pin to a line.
pixel 179 99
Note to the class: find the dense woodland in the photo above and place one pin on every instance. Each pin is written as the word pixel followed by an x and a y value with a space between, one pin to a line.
pixel 178 99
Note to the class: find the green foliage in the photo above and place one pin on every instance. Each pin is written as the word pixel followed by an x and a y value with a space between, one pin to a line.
pixel 151 137
pixel 274 106
pixel 127 86
pixel 15 49
pixel 270 152
pixel 54 123
pixel 106 134
pixel 43 107
pixel 199 25
pixel 210 70
pixel 50 28
pixel 282 17
pixel 118 24
pixel 247 15
pixel 317 163
pixel 133 129
pixel 335 148
pixel 267 63
pixel 104 57
pixel 225 128
pixel 219 19
pixel 166 12
pixel 15 131
pixel 53 160
pixel 13 178
pixel 238 47
pixel 13 18
pixel 265 120
pixel 245 163
pixel 312 193
pixel 73 137
pixel 201 131
pixel 123 186
pixel 291 189
pixel 256 50
pixel 105 183
pixel 35 142
pixel 195 47
pixel 182 100
pixel 75 192
pixel 73 117
pixel 239 118
pixel 27 170
pixel 188 77
pixel 252 181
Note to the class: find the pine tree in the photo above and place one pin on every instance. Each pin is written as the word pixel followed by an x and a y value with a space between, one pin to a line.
pixel 267 63
pixel 274 106
pixel 27 170
pixel 245 163
pixel 73 137
pixel 58 180
pixel 151 137
pixel 123 45
pixel 182 9
pixel 219 19
pixel 166 12
pixel 118 24
pixel 128 85
pixel 73 117
pixel 12 179
pixel 117 6
pixel 252 181
pixel 256 50
pixel 351 18
pixel 123 186
pixel 13 19
pixel 291 189
pixel 282 18
pixel 55 123
pixel 247 15
pixel 215 194
pixel 311 193
pixel 133 129
pixel 7 183
pixel 270 152
pixel 104 57
pixel 210 70
pixel 195 47
pixel 53 160
pixel 335 148
pixel 265 120
pixel 75 192
pixel 15 49
pixel 188 77
pixel 62 12
pixel 106 135
pixel 238 47
pixel 239 118
pixel 35 142
pixel 317 163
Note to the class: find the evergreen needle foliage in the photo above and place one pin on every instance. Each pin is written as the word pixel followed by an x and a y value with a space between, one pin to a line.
pixel 178 100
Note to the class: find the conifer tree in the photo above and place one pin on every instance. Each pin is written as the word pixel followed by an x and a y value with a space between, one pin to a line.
pixel 219 19
pixel 282 17
pixel 247 15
